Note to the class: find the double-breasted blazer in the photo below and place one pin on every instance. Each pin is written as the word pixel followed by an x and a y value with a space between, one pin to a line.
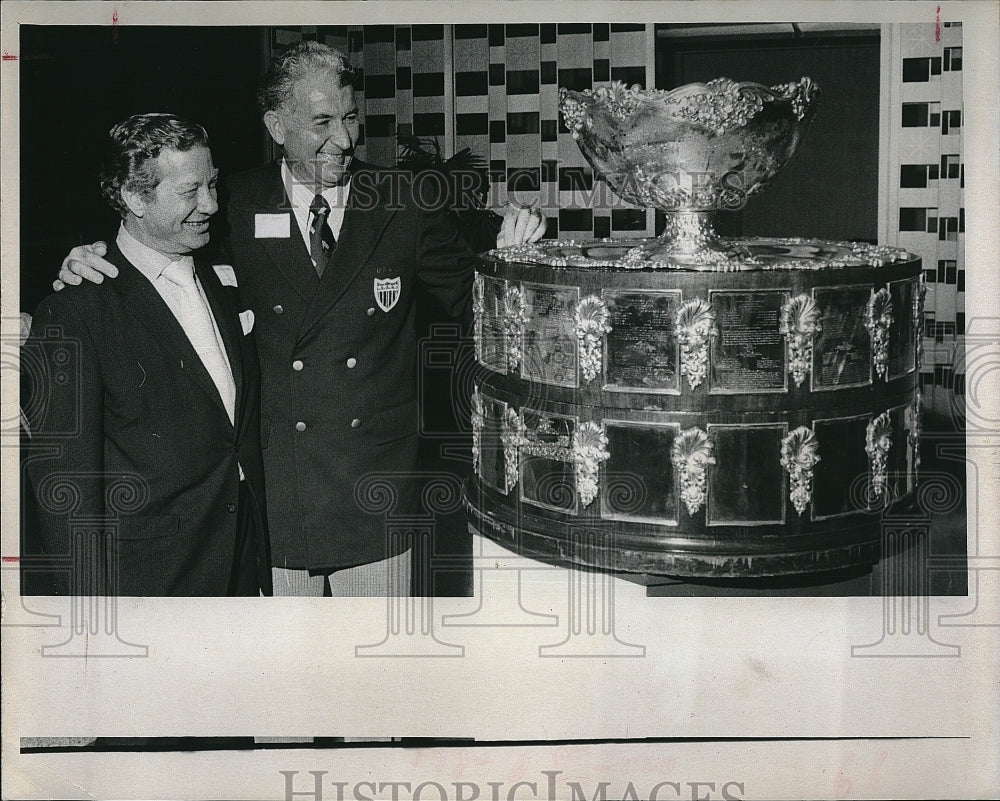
pixel 338 354
pixel 129 435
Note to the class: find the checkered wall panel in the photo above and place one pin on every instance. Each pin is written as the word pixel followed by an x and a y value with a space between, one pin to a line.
pixel 925 178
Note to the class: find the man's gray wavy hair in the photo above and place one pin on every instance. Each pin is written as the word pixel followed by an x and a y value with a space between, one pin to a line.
pixel 294 63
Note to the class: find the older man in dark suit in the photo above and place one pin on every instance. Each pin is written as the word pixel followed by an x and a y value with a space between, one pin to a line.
pixel 329 252
pixel 151 383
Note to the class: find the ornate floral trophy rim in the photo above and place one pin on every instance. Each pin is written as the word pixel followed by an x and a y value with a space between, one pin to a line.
pixel 646 143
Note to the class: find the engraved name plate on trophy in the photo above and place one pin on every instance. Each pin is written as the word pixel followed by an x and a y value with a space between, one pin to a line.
pixel 748 355
pixel 842 350
pixel 492 465
pixel 841 477
pixel 641 350
pixel 746 485
pixel 549 335
pixel 902 346
pixel 639 483
pixel 493 351
pixel 899 460
pixel 548 476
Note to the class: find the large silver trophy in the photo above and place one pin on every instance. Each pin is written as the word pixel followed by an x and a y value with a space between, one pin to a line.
pixel 694 405
pixel 689 152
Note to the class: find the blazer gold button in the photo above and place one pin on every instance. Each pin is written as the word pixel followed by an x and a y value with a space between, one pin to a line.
pixel 371 311
pixel 231 508
pixel 297 364
pixel 355 423
pixel 279 309
pixel 352 362
pixel 300 426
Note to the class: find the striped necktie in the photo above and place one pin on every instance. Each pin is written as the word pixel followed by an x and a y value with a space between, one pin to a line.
pixel 321 239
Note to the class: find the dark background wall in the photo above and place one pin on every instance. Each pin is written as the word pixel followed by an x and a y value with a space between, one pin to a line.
pixel 828 189
pixel 76 82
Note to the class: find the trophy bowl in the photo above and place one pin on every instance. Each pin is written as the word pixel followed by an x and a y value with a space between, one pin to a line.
pixel 689 152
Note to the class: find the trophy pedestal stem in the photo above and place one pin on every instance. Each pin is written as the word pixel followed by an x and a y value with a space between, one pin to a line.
pixel 689 240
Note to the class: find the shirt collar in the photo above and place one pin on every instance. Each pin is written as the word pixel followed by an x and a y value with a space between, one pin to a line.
pixel 302 195
pixel 151 263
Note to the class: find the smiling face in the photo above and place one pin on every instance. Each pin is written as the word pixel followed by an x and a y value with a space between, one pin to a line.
pixel 173 218
pixel 318 127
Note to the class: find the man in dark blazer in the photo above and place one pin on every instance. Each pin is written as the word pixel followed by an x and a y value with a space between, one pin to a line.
pixel 329 252
pixel 144 458
pixel 338 355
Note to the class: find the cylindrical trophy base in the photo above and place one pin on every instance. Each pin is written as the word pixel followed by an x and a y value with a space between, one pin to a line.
pixel 693 422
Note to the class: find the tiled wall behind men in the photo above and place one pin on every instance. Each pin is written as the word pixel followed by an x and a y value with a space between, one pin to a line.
pixel 494 89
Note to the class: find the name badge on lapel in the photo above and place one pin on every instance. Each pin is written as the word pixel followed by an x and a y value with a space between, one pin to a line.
pixel 387 292
pixel 226 274
pixel 271 226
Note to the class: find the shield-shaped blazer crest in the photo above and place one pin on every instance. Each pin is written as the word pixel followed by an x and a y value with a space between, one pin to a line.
pixel 387 292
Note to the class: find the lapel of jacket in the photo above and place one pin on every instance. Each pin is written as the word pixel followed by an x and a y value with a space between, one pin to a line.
pixel 289 255
pixel 365 219
pixel 144 304
pixel 227 319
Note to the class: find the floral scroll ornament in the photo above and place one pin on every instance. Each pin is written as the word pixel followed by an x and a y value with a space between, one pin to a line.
pixel 914 432
pixel 618 99
pixel 799 324
pixel 590 448
pixel 726 105
pixel 477 429
pixel 691 454
pixel 802 93
pixel 694 327
pixel 591 322
pixel 799 455
pixel 878 322
pixel 478 310
pixel 512 437
pixel 878 440
pixel 515 317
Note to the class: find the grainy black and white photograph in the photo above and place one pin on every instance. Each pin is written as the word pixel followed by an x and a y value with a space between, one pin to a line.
pixel 481 401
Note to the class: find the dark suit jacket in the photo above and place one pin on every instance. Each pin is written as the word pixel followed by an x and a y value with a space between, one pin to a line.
pixel 339 368
pixel 129 434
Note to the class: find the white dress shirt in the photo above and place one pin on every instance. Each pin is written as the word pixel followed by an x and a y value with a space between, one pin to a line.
pixel 301 197
pixel 152 264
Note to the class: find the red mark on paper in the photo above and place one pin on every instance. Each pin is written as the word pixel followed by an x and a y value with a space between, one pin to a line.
pixel 8 56
pixel 14 559
pixel 114 17
pixel 937 24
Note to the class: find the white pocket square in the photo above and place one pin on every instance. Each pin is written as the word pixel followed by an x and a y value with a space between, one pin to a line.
pixel 246 321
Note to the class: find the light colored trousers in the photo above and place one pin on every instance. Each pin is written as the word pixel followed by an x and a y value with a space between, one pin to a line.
pixel 387 578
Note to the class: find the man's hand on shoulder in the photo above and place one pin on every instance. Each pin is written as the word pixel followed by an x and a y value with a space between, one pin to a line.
pixel 521 224
pixel 85 262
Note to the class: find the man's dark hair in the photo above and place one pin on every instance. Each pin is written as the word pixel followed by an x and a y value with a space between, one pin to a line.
pixel 293 63
pixel 132 146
